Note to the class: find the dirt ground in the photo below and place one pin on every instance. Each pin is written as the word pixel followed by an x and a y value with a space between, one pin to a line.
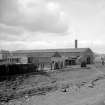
pixel 69 86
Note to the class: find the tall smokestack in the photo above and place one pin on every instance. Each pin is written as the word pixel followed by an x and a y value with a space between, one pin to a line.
pixel 76 43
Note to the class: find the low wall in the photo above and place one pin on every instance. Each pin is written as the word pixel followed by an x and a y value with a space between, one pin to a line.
pixel 13 69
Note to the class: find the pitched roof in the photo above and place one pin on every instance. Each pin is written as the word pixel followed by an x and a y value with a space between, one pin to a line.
pixel 69 54
pixel 41 54
pixel 35 54
pixel 53 50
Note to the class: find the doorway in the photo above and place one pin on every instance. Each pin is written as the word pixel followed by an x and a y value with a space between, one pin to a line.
pixel 88 60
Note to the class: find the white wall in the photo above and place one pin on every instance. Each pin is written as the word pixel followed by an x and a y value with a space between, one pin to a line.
pixel 24 60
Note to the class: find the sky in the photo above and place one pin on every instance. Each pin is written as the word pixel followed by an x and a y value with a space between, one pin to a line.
pixel 48 24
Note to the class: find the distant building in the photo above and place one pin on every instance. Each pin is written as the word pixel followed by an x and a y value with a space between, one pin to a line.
pixel 49 58
pixel 17 60
pixel 62 57
pixel 4 54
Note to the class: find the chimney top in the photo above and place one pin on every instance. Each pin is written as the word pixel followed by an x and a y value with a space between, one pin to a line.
pixel 76 43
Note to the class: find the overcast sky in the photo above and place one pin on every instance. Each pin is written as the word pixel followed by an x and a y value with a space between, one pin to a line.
pixel 37 24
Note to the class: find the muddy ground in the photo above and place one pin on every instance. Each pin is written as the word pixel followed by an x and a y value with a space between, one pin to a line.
pixel 69 86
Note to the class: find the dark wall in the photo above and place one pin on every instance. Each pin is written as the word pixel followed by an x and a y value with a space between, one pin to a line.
pixel 14 69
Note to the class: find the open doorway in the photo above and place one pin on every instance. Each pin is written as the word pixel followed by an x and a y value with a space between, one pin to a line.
pixel 88 60
pixel 70 62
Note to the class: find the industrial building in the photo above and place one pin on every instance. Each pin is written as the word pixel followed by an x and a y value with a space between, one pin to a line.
pixel 63 57
pixel 50 58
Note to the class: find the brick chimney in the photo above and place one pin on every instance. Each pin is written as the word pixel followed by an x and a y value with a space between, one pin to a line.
pixel 76 43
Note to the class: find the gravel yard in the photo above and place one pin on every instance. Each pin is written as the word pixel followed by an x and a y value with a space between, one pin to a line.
pixel 70 86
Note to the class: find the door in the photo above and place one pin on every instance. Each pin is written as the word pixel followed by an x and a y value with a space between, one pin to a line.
pixel 88 60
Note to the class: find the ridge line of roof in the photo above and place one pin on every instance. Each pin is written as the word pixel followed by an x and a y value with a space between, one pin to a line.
pixel 50 50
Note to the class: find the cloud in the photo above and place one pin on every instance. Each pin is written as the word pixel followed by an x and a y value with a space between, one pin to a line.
pixel 5 29
pixel 9 12
pixel 35 41
pixel 32 15
pixel 9 45
pixel 25 45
